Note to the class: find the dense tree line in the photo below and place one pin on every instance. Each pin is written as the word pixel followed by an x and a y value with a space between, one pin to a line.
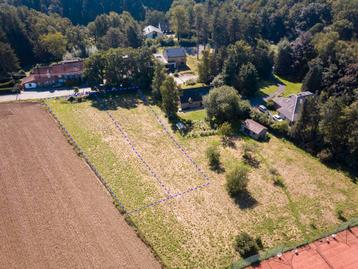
pixel 239 65
pixel 121 67
pixel 115 30
pixel 85 11
pixel 35 37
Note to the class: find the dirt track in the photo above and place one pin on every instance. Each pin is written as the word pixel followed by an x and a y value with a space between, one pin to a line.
pixel 54 213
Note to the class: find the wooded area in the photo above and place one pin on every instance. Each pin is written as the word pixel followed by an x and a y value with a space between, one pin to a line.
pixel 314 42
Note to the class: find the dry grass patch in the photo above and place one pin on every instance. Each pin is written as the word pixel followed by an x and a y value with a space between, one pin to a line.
pixel 198 230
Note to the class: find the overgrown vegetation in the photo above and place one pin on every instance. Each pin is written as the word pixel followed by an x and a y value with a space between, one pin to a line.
pixel 312 192
pixel 213 155
pixel 237 180
pixel 246 245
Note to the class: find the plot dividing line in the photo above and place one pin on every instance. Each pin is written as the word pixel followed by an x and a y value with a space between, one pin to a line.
pixel 126 137
pixel 200 171
pixel 85 157
pixel 173 196
pixel 151 170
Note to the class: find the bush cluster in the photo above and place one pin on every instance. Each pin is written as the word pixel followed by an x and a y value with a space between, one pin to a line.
pixel 213 155
pixel 237 180
pixel 246 245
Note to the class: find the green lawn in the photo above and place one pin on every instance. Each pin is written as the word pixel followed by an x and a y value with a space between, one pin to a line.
pixel 196 115
pixel 291 87
pixel 269 87
pixel 197 230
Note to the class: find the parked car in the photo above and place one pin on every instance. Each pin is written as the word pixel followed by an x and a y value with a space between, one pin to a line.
pixel 262 108
pixel 277 118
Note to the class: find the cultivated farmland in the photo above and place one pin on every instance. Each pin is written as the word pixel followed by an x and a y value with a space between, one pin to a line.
pixel 196 228
pixel 54 211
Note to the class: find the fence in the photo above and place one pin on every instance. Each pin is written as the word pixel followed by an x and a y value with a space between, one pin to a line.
pixel 285 248
pixel 84 156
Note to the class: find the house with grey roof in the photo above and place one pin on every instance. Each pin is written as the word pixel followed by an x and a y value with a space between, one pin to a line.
pixel 175 57
pixel 291 107
pixel 152 32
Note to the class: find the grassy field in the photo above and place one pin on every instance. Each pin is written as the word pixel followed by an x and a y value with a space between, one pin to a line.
pixel 195 115
pixel 269 87
pixel 197 230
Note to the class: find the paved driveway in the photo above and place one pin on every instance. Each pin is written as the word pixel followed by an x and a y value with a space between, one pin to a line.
pixel 183 78
pixel 30 95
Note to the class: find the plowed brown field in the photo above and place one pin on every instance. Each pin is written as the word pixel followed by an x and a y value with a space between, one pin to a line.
pixel 54 213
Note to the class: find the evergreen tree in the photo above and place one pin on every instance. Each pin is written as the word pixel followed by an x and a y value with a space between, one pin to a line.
pixel 204 68
pixel 8 61
pixel 170 97
pixel 284 60
pixel 246 80
pixel 158 79
pixel 312 81
pixel 179 21
pixel 305 130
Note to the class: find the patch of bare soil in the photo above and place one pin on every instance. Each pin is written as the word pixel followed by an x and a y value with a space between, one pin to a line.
pixel 54 211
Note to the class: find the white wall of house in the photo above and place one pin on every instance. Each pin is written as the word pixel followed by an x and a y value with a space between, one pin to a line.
pixel 153 35
pixel 30 85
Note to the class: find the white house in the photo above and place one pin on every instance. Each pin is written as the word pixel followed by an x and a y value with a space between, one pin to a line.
pixel 152 32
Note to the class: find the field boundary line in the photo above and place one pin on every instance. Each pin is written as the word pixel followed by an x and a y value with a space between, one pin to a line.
pixel 173 196
pixel 85 157
pixel 121 206
pixel 186 154
pixel 127 139
pixel 118 204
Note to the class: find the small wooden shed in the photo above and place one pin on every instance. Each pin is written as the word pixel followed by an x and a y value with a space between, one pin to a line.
pixel 254 129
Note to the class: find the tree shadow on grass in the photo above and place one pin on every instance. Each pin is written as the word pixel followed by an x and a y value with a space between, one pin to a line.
pixel 105 101
pixel 258 98
pixel 245 200
pixel 220 169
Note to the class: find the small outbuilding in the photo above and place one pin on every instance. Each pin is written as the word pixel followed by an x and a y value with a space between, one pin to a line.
pixel 254 129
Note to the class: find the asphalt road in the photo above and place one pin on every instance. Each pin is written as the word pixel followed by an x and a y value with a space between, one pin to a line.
pixel 31 95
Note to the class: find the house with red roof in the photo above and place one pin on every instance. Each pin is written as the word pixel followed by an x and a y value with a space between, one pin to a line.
pixel 54 74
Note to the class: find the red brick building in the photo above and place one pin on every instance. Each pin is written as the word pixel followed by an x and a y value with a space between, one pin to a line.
pixel 56 74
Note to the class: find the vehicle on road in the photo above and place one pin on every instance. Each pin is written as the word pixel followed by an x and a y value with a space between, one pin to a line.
pixel 277 117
